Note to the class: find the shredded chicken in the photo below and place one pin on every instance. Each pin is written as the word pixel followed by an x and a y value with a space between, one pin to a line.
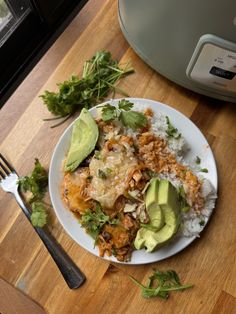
pixel 156 156
pixel 118 239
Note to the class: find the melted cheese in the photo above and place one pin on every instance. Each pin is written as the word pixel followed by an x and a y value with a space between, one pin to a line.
pixel 117 166
pixel 74 187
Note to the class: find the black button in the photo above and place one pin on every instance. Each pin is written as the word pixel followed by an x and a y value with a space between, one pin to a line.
pixel 228 75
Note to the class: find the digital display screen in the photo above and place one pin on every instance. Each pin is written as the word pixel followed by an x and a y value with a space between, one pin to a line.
pixel 228 75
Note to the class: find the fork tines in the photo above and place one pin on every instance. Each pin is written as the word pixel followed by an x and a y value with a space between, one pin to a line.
pixel 5 167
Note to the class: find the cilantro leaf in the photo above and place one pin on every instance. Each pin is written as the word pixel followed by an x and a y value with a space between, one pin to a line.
pixel 171 130
pixel 125 105
pixel 160 283
pixel 204 170
pixel 102 174
pixel 36 182
pixel 202 222
pixel 109 113
pixel 128 118
pixel 133 119
pixel 93 221
pixel 197 160
pixel 65 101
pixel 39 214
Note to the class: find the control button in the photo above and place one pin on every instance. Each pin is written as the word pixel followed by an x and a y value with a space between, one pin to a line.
pixel 228 75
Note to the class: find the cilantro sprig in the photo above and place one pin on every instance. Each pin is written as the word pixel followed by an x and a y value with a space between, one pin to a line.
pixel 36 182
pixel 171 130
pixel 100 75
pixel 123 113
pixel 36 185
pixel 160 283
pixel 94 221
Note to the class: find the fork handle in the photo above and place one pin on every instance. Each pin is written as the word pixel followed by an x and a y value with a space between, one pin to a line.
pixel 69 270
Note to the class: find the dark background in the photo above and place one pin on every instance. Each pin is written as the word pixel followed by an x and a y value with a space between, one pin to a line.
pixel 41 22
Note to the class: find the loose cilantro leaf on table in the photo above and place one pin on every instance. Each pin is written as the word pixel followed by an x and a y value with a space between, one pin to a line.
pixel 99 77
pixel 160 283
pixel 36 185
pixel 129 118
pixel 39 214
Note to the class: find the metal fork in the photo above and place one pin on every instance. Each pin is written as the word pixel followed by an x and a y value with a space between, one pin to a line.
pixel 71 273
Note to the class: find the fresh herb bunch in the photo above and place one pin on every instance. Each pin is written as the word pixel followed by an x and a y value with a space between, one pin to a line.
pixel 100 74
pixel 94 221
pixel 160 283
pixel 128 117
pixel 36 184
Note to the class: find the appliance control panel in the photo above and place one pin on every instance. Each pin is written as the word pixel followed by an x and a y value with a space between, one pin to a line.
pixel 214 63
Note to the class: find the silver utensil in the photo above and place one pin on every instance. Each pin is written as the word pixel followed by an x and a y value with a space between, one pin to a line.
pixel 71 273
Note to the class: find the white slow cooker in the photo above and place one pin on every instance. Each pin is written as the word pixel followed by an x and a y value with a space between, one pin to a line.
pixel 191 42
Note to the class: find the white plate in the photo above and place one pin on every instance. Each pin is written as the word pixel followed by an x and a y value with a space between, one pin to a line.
pixel 199 147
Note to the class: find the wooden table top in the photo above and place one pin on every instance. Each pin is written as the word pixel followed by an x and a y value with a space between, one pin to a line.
pixel 209 262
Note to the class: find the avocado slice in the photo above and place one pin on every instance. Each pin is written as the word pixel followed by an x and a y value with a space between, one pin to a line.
pixel 83 140
pixel 154 210
pixel 167 199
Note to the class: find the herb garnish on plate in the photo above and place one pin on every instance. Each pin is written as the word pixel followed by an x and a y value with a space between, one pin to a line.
pixel 129 118
pixel 94 221
pixel 171 130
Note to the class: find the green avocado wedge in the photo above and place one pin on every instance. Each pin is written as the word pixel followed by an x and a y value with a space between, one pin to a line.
pixel 154 210
pixel 167 200
pixel 83 140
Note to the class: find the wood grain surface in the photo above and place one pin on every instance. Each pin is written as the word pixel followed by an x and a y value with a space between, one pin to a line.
pixel 13 301
pixel 209 262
